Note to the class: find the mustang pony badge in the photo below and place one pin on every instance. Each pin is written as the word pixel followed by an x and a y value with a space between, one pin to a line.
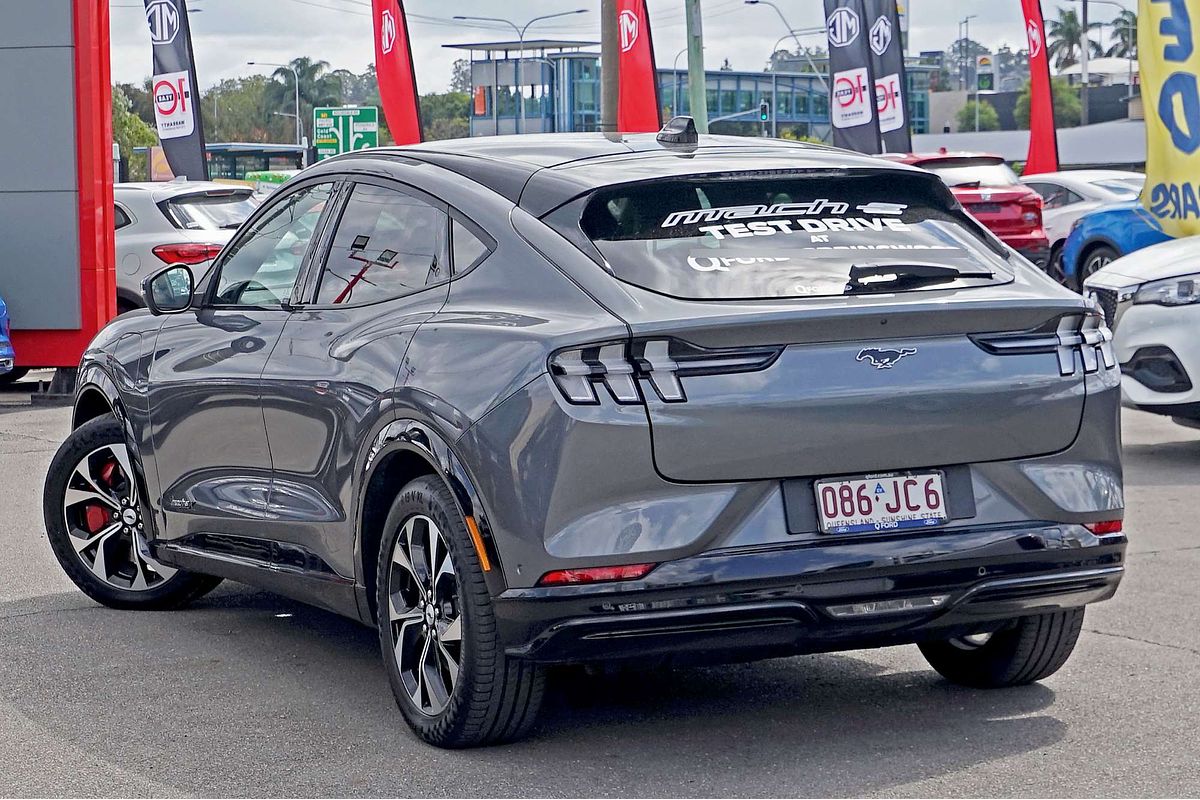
pixel 883 359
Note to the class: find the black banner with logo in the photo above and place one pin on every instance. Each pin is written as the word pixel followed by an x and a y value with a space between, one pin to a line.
pixel 852 96
pixel 891 82
pixel 174 90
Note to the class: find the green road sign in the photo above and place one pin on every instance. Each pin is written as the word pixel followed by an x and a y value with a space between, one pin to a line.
pixel 341 129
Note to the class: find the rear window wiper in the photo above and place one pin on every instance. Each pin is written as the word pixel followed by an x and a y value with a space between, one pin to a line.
pixel 891 277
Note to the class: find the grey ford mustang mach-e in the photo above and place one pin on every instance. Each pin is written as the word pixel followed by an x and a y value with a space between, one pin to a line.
pixel 592 398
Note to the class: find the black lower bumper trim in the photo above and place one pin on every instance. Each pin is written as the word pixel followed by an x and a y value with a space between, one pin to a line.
pixel 786 626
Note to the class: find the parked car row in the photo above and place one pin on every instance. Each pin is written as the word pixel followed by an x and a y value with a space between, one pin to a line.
pixel 180 222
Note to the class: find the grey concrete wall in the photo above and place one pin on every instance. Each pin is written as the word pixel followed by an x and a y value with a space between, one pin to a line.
pixel 39 197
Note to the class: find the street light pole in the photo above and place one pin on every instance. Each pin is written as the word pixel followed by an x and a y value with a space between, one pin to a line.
pixel 675 72
pixel 792 34
pixel 795 34
pixel 296 76
pixel 520 43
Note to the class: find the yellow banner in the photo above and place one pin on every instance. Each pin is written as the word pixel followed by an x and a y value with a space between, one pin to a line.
pixel 1169 56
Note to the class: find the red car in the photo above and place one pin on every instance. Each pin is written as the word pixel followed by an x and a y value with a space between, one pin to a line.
pixel 989 189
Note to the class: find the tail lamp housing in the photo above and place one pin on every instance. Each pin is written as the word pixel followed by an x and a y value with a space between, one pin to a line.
pixel 570 577
pixel 623 368
pixel 188 253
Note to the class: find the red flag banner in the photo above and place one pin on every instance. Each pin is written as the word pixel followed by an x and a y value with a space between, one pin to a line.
pixel 638 109
pixel 1043 136
pixel 395 73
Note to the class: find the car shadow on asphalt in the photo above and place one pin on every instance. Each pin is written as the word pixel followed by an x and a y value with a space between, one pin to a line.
pixel 247 692
pixel 1161 463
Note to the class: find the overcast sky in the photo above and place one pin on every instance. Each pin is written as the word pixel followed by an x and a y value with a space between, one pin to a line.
pixel 227 33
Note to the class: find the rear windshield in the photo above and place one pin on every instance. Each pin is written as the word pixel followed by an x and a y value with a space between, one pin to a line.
pixel 972 171
pixel 211 212
pixel 749 238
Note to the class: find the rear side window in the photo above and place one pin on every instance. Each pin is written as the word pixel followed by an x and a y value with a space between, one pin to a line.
pixel 468 248
pixel 211 211
pixel 120 218
pixel 748 238
pixel 387 244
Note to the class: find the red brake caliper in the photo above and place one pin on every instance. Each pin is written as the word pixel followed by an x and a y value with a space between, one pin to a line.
pixel 95 515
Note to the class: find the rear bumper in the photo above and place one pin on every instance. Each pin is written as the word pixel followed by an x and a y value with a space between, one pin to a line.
pixel 787 600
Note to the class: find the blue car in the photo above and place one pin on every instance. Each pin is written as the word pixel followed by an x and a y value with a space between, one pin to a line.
pixel 1105 235
pixel 6 350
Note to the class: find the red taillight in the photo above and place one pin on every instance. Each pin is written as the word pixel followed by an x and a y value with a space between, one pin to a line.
pixel 1106 528
pixel 187 253
pixel 563 577
pixel 1031 212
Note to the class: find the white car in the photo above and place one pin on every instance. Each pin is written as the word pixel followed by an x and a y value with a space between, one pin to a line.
pixel 1151 299
pixel 1067 196
pixel 179 222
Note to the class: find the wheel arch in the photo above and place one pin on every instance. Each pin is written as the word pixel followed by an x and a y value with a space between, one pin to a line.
pixel 402 452
pixel 96 396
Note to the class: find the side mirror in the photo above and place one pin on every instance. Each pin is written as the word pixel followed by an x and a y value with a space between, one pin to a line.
pixel 169 291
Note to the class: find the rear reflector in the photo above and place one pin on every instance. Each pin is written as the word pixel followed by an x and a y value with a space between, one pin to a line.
pixel 1106 528
pixel 188 253
pixel 564 577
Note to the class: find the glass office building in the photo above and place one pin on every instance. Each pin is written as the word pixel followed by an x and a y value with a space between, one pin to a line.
pixel 559 87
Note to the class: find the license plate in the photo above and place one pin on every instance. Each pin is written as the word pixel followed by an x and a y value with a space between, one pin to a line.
pixel 984 208
pixel 881 503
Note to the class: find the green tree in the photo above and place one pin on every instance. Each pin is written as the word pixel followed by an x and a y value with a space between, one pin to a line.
pixel 444 115
pixel 130 131
pixel 1063 36
pixel 960 62
pixel 237 110
pixel 140 101
pixel 1067 110
pixel 1124 35
pixel 989 120
pixel 460 77
pixel 318 87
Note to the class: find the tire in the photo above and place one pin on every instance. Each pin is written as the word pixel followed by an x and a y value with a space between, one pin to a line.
pixel 491 698
pixel 1096 258
pixel 1054 264
pixel 1031 649
pixel 14 375
pixel 96 531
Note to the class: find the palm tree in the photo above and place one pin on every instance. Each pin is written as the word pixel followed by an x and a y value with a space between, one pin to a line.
pixel 1125 33
pixel 318 87
pixel 1063 37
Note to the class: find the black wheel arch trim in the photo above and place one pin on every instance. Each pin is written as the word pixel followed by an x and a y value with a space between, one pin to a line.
pixel 1092 244
pixel 406 435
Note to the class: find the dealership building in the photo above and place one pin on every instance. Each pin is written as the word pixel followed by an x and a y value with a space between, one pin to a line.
pixel 559 84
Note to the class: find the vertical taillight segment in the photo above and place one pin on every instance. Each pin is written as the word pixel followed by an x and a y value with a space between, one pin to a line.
pixel 659 364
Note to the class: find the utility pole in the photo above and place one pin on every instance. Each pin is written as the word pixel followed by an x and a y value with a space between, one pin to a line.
pixel 697 80
pixel 610 65
pixel 1084 41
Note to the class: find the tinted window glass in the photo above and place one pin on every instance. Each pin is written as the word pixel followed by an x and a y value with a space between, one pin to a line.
pixel 212 212
pixel 1055 196
pixel 387 244
pixel 1128 188
pixel 261 266
pixel 120 218
pixel 783 237
pixel 467 247
pixel 972 171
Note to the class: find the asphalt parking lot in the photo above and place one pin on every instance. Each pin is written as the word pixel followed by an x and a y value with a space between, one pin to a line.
pixel 247 693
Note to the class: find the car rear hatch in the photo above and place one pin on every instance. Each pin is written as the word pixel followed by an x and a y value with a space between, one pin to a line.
pixel 863 335
pixel 991 192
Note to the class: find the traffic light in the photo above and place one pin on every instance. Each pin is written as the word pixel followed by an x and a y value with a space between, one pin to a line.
pixel 764 111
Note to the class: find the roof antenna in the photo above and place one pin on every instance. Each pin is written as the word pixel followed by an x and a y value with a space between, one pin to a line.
pixel 680 130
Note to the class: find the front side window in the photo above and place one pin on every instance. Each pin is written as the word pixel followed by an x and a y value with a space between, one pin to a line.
pixel 761 238
pixel 261 267
pixel 388 244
